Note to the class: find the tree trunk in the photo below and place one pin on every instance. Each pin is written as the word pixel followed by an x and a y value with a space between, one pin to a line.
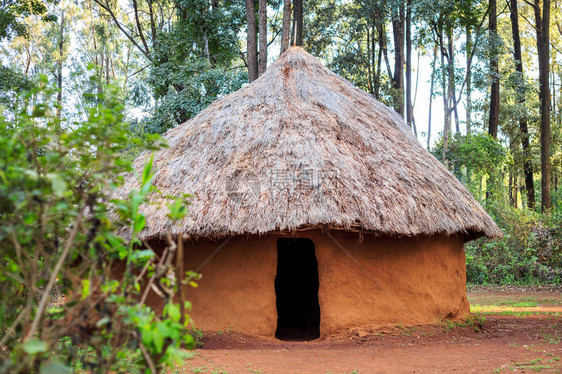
pixel 252 41
pixel 451 91
pixel 543 47
pixel 298 21
pixel 398 80
pixel 286 31
pixel 59 67
pixel 409 109
pixel 377 78
pixel 262 63
pixel 206 50
pixel 383 49
pixel 468 80
pixel 512 172
pixel 370 62
pixel 431 95
pixel 494 118
pixel 446 111
pixel 527 164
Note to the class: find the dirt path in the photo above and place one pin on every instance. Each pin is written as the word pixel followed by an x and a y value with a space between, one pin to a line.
pixel 515 331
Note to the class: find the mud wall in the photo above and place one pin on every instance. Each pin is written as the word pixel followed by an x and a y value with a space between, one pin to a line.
pixel 363 281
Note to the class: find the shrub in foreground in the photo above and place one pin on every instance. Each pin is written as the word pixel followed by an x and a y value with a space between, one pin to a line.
pixel 63 304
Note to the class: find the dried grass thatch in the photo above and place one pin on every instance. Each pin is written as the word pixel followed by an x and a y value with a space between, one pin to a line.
pixel 301 147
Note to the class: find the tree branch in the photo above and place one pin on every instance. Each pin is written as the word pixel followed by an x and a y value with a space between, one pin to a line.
pixel 137 21
pixel 110 12
pixel 47 292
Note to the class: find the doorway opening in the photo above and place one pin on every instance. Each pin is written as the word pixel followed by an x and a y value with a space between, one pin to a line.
pixel 296 289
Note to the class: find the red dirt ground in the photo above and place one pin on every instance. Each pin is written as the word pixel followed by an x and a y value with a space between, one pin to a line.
pixel 521 332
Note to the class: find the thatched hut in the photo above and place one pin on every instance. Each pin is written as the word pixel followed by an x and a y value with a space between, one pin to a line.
pixel 315 210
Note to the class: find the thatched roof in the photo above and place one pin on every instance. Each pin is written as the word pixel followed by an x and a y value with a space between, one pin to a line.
pixel 301 147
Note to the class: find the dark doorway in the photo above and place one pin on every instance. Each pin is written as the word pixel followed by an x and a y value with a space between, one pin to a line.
pixel 296 288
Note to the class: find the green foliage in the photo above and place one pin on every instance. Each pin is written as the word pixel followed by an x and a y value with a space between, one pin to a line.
pixel 58 237
pixel 184 89
pixel 12 11
pixel 530 251
pixel 12 82
pixel 477 153
pixel 192 62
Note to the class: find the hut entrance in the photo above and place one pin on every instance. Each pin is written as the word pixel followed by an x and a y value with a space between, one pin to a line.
pixel 296 288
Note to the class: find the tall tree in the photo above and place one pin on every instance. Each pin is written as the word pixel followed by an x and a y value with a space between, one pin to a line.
pixel 262 63
pixel 451 79
pixel 468 50
pixel 523 128
pixel 286 27
pixel 433 68
pixel 494 116
pixel 409 108
pixel 398 78
pixel 60 64
pixel 298 22
pixel 542 25
pixel 252 57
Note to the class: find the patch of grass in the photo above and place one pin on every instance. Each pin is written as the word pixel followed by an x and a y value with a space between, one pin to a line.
pixel 525 304
pixel 540 368
pixel 207 369
pixel 532 365
pixel 197 335
pixel 199 369
pixel 509 311
pixel 407 331
pixel 475 321
pixel 553 339
pixel 187 355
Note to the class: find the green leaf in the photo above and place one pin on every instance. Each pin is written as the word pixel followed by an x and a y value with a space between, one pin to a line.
pixel 57 184
pixel 103 321
pixel 142 254
pixel 53 367
pixel 136 201
pixel 189 341
pixel 146 173
pixel 117 244
pixel 173 312
pixel 158 340
pixel 177 209
pixel 85 288
pixel 30 218
pixel 162 329
pixel 33 347
pixel 139 223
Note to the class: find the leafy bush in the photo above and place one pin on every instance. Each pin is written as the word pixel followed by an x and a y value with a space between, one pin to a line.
pixel 73 290
pixel 478 153
pixel 530 251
